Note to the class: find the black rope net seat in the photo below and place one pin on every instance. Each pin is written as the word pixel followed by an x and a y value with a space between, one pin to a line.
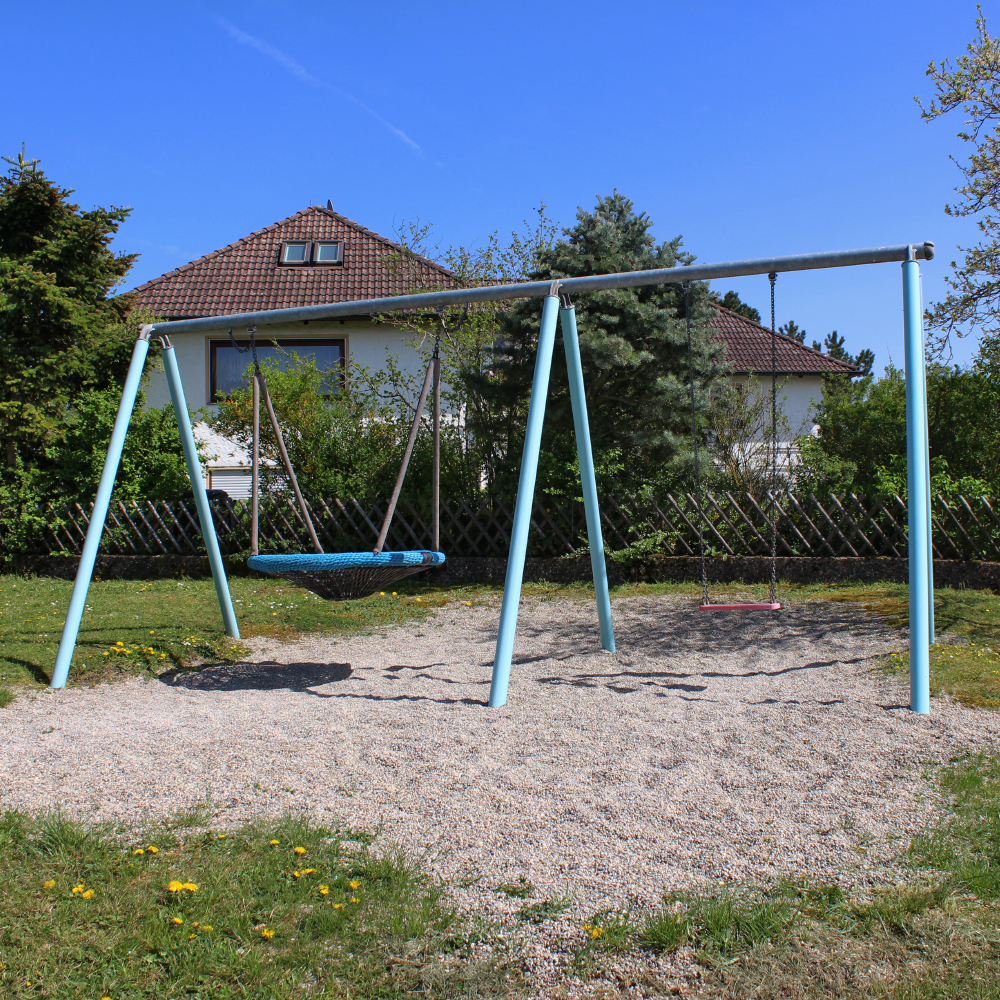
pixel 344 576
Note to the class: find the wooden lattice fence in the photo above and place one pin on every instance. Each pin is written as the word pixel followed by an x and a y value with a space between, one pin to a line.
pixel 845 525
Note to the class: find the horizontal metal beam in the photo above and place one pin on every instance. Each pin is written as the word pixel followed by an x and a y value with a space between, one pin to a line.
pixel 537 289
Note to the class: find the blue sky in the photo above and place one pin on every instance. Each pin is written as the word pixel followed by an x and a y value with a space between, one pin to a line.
pixel 751 129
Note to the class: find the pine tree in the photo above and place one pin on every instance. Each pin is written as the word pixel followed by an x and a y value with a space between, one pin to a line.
pixel 61 333
pixel 634 351
pixel 732 301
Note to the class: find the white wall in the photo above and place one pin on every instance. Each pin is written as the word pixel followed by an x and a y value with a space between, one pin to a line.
pixel 797 397
pixel 366 345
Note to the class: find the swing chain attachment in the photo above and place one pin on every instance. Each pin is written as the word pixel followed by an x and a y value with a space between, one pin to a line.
pixel 252 346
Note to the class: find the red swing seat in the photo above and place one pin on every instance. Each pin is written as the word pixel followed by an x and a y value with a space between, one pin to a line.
pixel 739 607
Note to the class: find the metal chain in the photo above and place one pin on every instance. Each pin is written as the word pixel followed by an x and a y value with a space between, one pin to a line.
pixel 252 346
pixel 772 277
pixel 694 436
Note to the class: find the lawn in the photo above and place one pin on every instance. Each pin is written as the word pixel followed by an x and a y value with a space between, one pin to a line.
pixel 272 911
pixel 180 909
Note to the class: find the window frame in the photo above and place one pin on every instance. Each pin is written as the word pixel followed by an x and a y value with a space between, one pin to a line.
pixel 306 256
pixel 316 244
pixel 287 343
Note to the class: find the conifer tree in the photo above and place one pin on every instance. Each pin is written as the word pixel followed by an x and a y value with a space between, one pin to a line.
pixel 61 332
pixel 634 351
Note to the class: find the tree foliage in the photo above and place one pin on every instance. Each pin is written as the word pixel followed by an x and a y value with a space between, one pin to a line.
pixel 65 345
pixel 61 333
pixel 862 444
pixel 633 348
pixel 971 84
pixel 347 443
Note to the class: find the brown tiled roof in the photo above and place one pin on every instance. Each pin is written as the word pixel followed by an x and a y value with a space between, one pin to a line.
pixel 245 276
pixel 748 348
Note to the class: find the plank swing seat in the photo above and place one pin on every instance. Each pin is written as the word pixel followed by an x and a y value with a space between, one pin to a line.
pixel 342 576
pixel 772 603
pixel 776 606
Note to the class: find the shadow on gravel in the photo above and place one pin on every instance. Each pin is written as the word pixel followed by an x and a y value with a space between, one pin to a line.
pixel 685 631
pixel 267 676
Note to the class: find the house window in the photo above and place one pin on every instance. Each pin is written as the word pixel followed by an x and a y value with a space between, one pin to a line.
pixel 227 367
pixel 302 253
pixel 295 252
pixel 328 253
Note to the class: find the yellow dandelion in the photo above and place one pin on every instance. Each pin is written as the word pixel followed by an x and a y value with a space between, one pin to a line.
pixel 48 885
pixel 296 874
pixel 190 886
pixel 300 850
pixel 195 924
pixel 354 885
pixel 418 598
pixel 354 899
pixel 338 906
pixel 153 849
pixel 207 927
pixel 596 932
pixel 178 920
pixel 267 933
pixel 175 886
pixel 275 842
pixel 190 937
pixel 138 850
pixel 87 895
pixel 308 871
pixel 78 888
pixel 394 593
pixel 324 890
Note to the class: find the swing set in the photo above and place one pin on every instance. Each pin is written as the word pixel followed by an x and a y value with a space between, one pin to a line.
pixel 338 576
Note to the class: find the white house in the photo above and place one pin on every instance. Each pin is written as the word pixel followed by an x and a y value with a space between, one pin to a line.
pixel 318 256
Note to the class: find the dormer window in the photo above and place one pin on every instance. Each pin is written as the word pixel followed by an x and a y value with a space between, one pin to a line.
pixel 293 252
pixel 302 253
pixel 328 253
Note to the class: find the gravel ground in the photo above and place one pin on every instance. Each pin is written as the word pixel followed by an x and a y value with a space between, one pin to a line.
pixel 709 747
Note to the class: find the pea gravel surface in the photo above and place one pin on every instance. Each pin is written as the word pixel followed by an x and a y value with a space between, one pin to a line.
pixel 708 747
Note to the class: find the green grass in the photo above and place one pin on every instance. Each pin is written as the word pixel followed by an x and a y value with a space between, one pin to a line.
pixel 257 920
pixel 143 626
pixel 967 843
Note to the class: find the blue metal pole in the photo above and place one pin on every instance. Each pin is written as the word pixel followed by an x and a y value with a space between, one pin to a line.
pixel 525 499
pixel 85 571
pixel 198 488
pixel 588 480
pixel 930 530
pixel 918 534
pixel 930 515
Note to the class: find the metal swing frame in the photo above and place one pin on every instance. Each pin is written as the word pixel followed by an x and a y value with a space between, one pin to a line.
pixel 918 465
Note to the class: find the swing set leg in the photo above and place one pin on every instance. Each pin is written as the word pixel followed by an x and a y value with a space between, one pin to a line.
pixel 99 513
